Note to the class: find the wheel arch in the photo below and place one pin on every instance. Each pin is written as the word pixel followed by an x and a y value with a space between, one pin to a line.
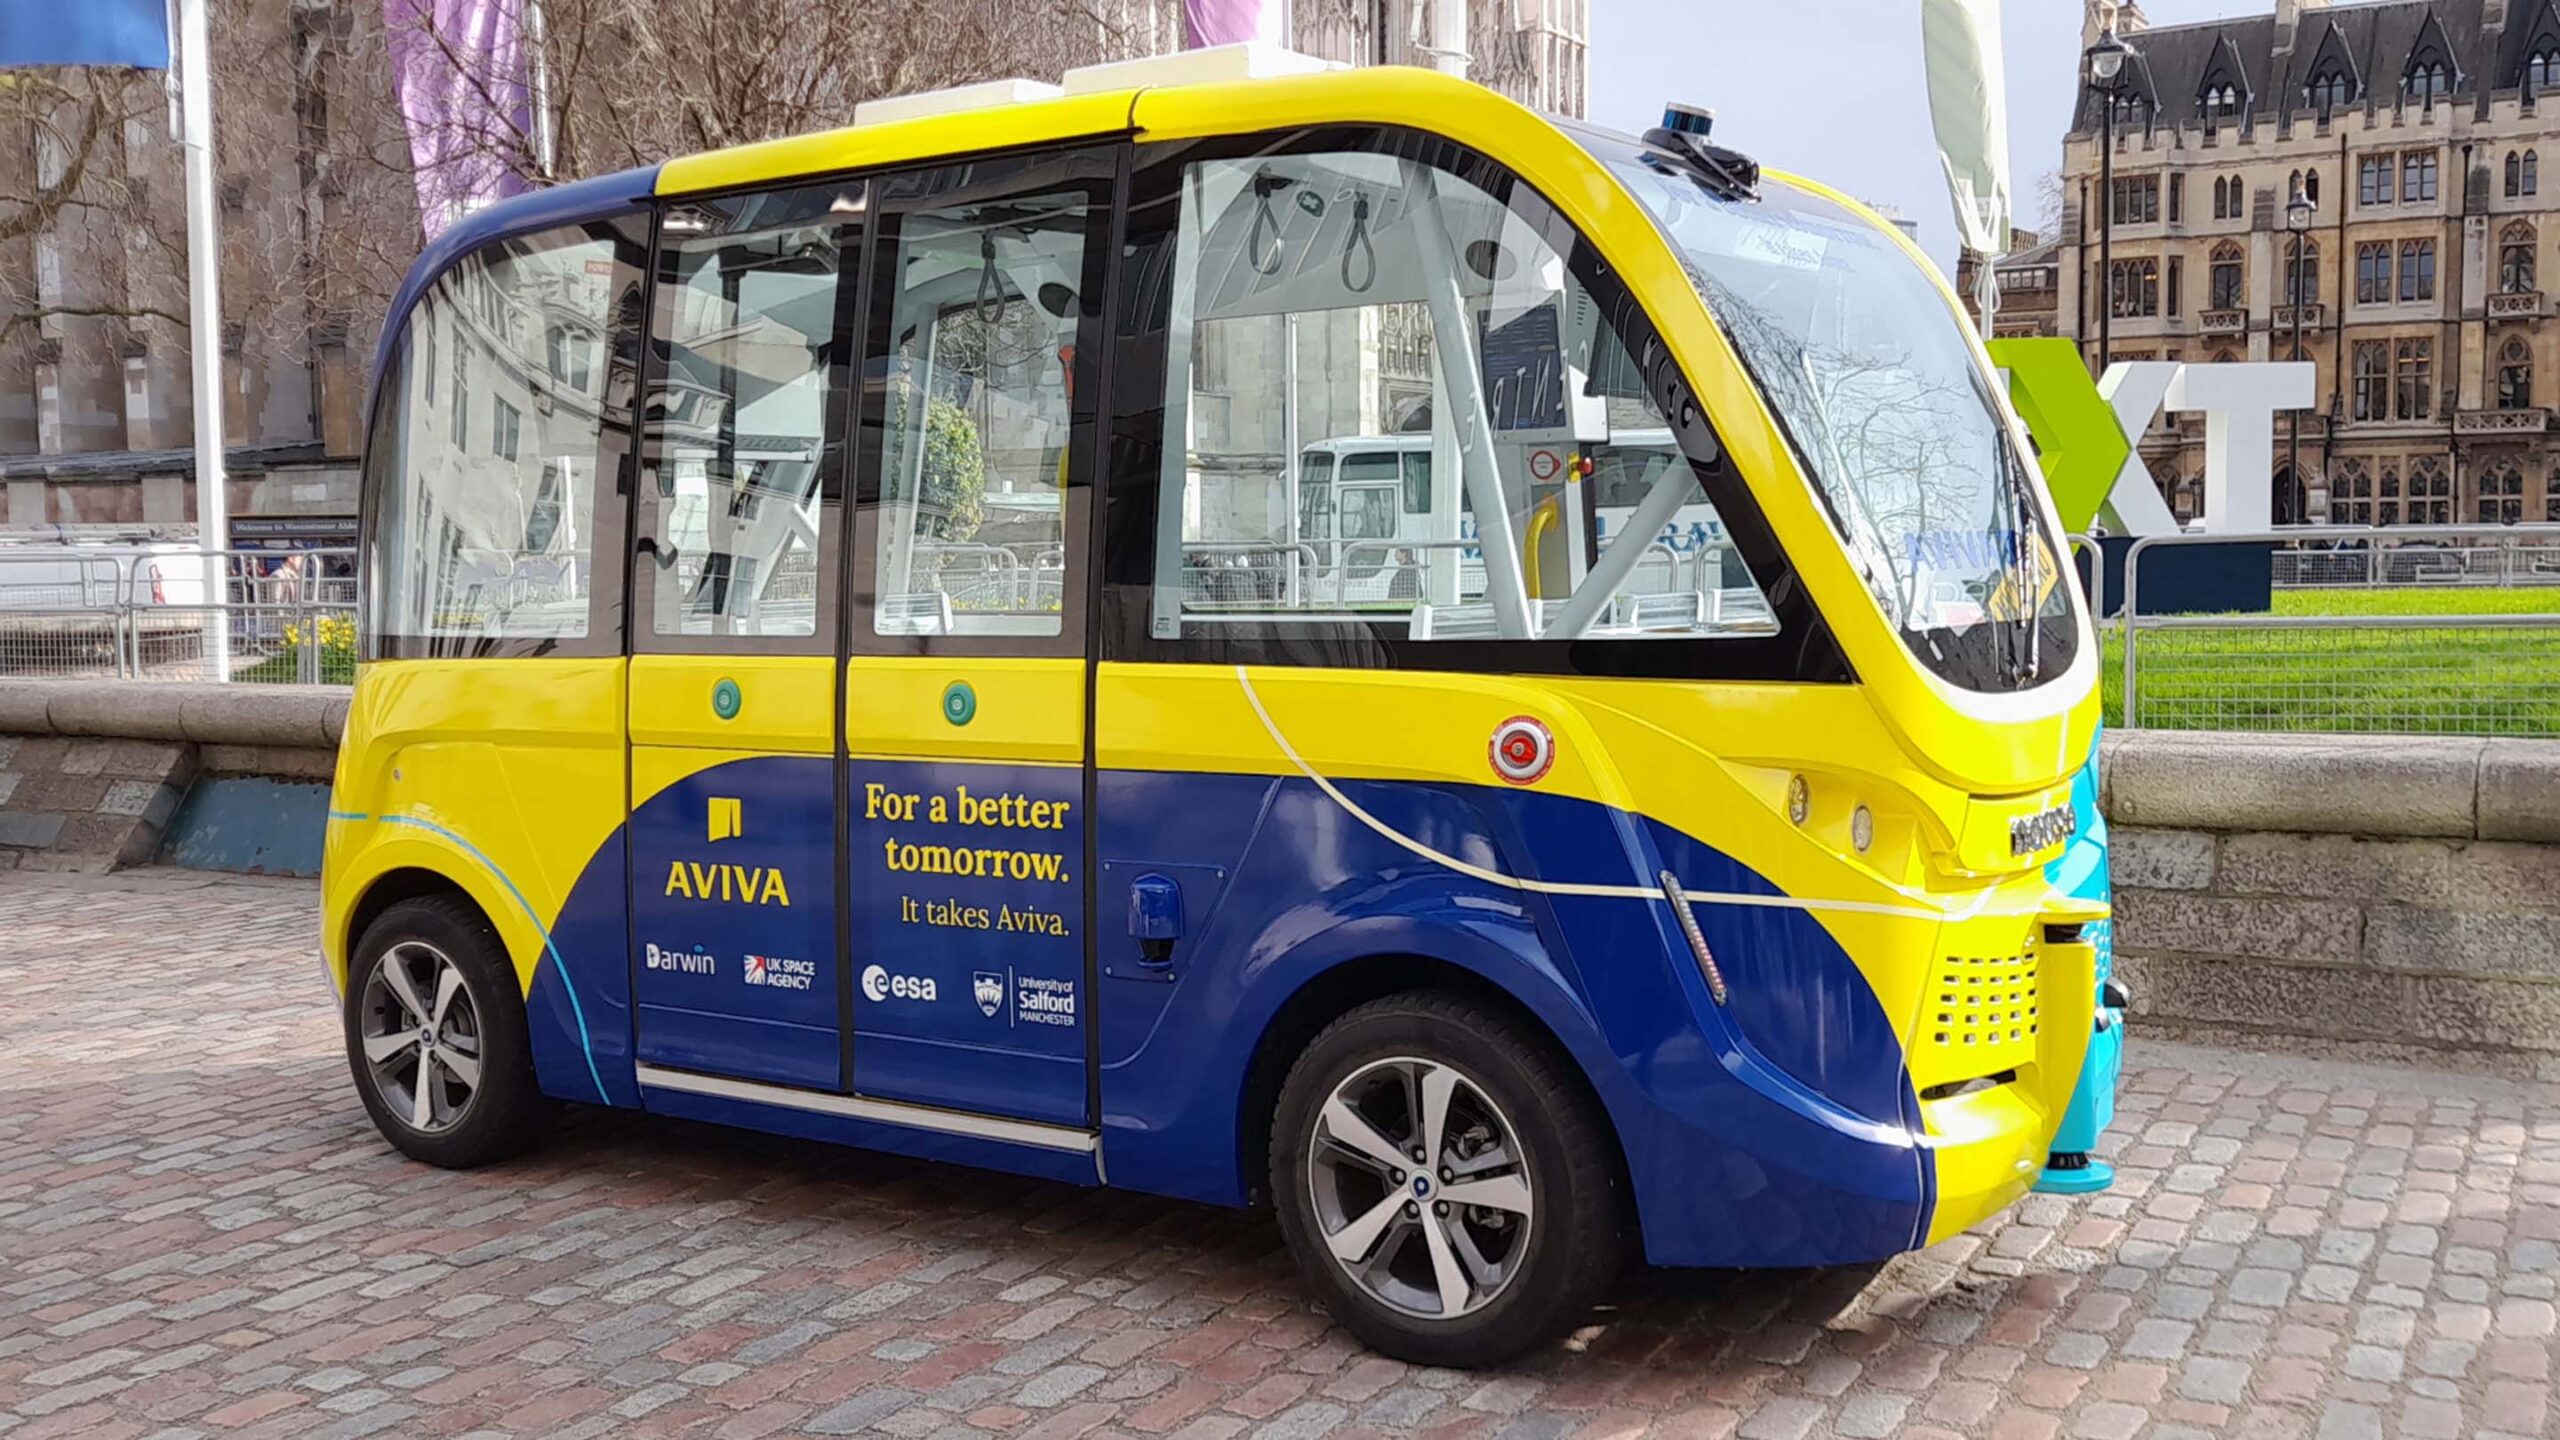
pixel 1327 995
pixel 411 866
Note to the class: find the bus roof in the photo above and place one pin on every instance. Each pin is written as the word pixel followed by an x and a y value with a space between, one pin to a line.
pixel 1234 89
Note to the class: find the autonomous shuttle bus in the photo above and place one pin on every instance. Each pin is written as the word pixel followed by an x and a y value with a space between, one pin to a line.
pixel 863 640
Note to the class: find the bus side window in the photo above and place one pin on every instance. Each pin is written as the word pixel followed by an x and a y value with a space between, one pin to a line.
pixel 1425 335
pixel 492 466
pixel 746 329
pixel 978 396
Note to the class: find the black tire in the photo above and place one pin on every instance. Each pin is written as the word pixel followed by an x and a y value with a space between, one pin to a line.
pixel 1577 1229
pixel 506 1111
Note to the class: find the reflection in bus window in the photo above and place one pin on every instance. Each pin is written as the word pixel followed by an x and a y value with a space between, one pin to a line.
pixel 738 421
pixel 972 529
pixel 486 529
pixel 1445 384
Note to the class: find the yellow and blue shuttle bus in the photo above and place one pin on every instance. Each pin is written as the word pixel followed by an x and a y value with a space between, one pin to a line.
pixel 790 698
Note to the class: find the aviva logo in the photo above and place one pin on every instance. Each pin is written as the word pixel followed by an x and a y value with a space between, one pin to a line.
pixel 736 884
pixel 728 819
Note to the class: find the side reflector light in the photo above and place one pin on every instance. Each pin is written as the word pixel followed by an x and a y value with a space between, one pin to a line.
pixel 1697 939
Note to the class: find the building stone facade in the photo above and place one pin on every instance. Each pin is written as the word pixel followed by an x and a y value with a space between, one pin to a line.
pixel 2419 129
pixel 319 219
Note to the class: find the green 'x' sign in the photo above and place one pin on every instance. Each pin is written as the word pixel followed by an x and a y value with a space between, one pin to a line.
pixel 2080 445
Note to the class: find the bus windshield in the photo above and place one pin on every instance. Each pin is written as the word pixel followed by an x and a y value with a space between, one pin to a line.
pixel 1871 375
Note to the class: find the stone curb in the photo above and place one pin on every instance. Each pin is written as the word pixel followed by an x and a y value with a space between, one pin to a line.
pixel 290 716
pixel 2453 788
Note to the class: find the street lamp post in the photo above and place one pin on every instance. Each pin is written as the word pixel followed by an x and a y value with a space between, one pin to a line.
pixel 2106 77
pixel 2297 218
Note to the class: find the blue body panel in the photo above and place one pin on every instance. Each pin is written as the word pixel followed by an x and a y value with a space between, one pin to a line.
pixel 733 937
pixel 1735 1157
pixel 1777 1131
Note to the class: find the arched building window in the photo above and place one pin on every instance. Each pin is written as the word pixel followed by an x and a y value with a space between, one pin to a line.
pixel 2330 90
pixel 2351 494
pixel 2429 84
pixel 2221 198
pixel 2532 180
pixel 2515 174
pixel 2430 492
pixel 2228 290
pixel 2515 375
pixel 2302 280
pixel 2515 259
pixel 2501 494
pixel 2542 70
pixel 2373 381
pixel 2386 488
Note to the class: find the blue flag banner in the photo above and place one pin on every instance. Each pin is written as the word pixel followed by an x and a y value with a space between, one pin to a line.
pixel 85 32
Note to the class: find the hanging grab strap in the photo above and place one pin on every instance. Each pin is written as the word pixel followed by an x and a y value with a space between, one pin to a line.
pixel 990 284
pixel 1358 244
pixel 1265 185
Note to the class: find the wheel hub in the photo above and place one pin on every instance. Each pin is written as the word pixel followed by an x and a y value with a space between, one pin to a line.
pixel 1445 1238
pixel 420 1036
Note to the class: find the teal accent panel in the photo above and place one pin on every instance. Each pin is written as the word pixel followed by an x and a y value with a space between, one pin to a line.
pixel 249 825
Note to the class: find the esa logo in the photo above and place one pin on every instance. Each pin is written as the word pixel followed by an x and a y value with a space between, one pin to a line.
pixel 878 984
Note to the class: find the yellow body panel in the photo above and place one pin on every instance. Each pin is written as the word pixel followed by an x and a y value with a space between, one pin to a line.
pixel 786 702
pixel 503 776
pixel 898 142
pixel 1028 711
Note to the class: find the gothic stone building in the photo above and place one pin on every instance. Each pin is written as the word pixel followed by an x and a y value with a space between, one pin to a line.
pixel 2421 129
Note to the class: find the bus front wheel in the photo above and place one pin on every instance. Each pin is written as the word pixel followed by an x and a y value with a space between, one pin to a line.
pixel 436 1036
pixel 1445 1181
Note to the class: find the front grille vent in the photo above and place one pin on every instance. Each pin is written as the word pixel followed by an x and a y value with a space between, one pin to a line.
pixel 1983 1003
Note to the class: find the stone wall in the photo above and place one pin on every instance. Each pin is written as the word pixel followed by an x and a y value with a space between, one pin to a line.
pixel 92 773
pixel 2400 892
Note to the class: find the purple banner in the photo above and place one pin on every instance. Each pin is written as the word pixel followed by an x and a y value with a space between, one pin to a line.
pixel 457 67
pixel 1230 22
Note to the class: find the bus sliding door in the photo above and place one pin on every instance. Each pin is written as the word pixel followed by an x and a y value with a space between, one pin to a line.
pixel 965 693
pixel 733 676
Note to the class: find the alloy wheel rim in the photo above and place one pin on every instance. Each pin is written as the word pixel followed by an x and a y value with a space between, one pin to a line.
pixel 1420 1188
pixel 421 1037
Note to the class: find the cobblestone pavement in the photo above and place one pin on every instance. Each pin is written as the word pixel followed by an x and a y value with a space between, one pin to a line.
pixel 200 1235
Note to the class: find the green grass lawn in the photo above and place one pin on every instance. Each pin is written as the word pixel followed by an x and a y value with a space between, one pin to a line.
pixel 2410 681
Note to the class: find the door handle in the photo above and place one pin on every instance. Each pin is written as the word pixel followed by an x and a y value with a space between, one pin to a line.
pixel 1155 918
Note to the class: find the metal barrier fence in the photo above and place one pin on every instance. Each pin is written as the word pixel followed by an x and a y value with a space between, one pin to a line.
pixel 2449 629
pixel 2223 632
pixel 139 613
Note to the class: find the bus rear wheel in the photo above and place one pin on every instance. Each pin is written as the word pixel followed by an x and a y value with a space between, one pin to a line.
pixel 1445 1181
pixel 436 1037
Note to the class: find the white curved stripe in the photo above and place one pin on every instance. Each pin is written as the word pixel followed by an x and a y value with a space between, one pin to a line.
pixel 1554 887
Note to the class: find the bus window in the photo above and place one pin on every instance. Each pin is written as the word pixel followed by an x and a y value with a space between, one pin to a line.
pixel 746 323
pixel 973 460
pixel 1315 499
pixel 1431 339
pixel 485 524
pixel 1417 482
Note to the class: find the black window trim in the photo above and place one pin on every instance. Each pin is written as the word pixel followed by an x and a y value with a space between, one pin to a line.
pixel 1804 650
